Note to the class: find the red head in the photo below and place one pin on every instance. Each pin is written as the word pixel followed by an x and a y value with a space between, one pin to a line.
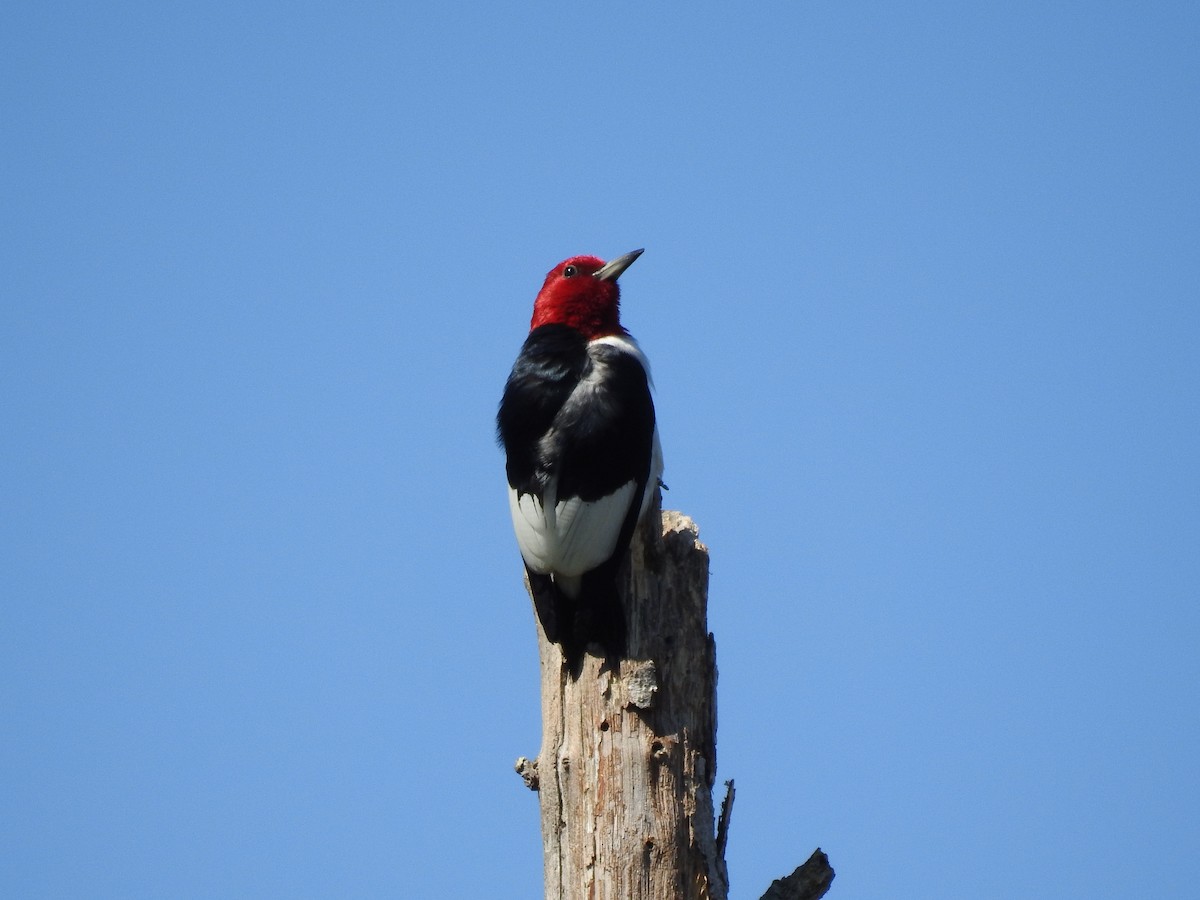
pixel 582 292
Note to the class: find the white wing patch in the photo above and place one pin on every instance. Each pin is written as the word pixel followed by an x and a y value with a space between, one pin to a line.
pixel 570 537
pixel 534 533
pixel 587 532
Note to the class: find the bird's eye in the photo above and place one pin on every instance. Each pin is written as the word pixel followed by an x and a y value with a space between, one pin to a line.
pixel 569 271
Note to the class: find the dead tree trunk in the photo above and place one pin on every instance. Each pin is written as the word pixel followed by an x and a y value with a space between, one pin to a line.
pixel 628 758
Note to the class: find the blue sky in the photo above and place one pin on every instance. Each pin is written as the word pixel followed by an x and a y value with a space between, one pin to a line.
pixel 920 293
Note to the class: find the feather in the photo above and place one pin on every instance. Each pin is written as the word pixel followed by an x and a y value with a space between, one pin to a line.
pixel 572 536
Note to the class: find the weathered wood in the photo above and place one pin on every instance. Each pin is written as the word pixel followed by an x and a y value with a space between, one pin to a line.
pixel 809 882
pixel 628 753
pixel 628 756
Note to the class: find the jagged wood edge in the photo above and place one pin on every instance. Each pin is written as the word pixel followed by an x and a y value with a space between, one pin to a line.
pixel 809 882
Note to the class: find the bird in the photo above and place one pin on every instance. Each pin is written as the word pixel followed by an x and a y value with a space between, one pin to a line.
pixel 583 459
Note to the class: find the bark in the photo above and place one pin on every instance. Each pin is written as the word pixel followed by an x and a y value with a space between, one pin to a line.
pixel 809 882
pixel 628 757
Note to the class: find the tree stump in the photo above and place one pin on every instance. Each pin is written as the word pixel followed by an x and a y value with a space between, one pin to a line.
pixel 628 757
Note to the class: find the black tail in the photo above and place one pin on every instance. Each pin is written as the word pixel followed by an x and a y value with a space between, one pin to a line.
pixel 553 609
pixel 595 617
pixel 600 616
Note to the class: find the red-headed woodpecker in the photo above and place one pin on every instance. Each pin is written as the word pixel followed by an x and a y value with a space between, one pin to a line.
pixel 577 424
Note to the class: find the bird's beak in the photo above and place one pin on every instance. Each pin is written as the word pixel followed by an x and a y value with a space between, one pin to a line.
pixel 611 270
